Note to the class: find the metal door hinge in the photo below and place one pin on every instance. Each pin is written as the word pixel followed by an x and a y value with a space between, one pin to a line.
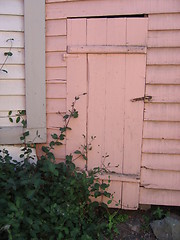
pixel 145 99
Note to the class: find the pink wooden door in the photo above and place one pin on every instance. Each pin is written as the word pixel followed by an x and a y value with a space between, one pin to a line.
pixel 106 59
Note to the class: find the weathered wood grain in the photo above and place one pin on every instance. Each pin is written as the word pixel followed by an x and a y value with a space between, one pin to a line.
pixel 12 87
pixel 77 85
pixel 159 179
pixel 75 26
pixel 12 7
pixel 55 59
pixel 96 112
pixel 133 118
pixel 108 49
pixel 162 112
pixel 166 21
pixel 117 7
pixel 56 90
pixel 162 197
pixel 161 130
pixel 11 23
pixel 57 73
pixel 56 27
pixel 168 162
pixel 56 43
pixel 14 72
pixel 164 38
pixel 161 146
pixel 17 36
pixel 135 25
pixel 12 103
pixel 129 190
pixel 160 56
pixel 163 74
pixel 164 93
pixel 16 58
pixel 56 105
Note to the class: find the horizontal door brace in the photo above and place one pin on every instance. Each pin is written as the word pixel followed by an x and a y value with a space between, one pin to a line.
pixel 132 178
pixel 120 49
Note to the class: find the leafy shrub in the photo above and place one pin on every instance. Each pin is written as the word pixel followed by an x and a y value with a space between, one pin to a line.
pixel 49 200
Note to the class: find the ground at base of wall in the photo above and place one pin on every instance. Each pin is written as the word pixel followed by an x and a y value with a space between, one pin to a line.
pixel 135 225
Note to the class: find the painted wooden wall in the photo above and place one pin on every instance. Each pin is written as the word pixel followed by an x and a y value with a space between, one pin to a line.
pixel 12 84
pixel 160 164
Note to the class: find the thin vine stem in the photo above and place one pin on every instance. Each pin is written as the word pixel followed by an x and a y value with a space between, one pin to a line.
pixel 7 55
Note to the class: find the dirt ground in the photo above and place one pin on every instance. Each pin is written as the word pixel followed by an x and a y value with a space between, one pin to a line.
pixel 134 225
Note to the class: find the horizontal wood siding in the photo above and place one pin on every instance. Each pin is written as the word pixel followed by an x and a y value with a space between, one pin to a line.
pixel 56 41
pixel 12 84
pixel 161 139
pixel 59 9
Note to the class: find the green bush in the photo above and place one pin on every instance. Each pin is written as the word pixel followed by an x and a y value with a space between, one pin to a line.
pixel 49 201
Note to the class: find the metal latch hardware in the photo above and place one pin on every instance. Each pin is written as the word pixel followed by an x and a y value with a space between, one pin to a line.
pixel 145 98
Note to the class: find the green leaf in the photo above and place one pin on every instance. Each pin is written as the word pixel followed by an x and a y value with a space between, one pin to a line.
pixel 54 136
pixel 97 194
pixel 18 119
pixel 9 113
pixel 66 116
pixel 109 202
pixel 78 152
pixel 25 134
pixel 24 123
pixel 59 143
pixel 52 143
pixel 10 39
pixel 45 149
pixel 22 112
pixel 9 54
pixel 106 194
pixel 11 120
pixel 96 186
pixel 85 158
pixel 22 138
pixel 50 155
pixel 75 114
pixel 62 136
pixel 63 129
pixel 3 70
pixel 104 186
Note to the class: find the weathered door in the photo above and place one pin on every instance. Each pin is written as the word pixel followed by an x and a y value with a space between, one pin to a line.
pixel 106 59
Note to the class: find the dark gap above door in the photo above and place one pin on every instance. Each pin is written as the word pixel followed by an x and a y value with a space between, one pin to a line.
pixel 114 16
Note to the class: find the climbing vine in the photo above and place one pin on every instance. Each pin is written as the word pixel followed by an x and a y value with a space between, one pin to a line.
pixel 7 55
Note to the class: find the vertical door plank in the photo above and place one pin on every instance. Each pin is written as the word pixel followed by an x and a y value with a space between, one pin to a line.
pixel 116 31
pixel 130 196
pixel 96 31
pixel 76 85
pixel 115 188
pixel 137 31
pixel 135 81
pixel 114 112
pixel 96 107
pixel 76 32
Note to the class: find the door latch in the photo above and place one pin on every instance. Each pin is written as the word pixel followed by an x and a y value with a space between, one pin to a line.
pixel 145 99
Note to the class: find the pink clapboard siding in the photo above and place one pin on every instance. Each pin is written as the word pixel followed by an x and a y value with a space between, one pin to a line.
pixel 157 163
